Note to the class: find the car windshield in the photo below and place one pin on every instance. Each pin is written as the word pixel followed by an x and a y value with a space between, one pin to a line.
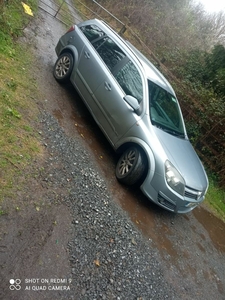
pixel 164 110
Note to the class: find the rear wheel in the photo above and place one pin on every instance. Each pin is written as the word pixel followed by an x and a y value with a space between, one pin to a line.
pixel 63 67
pixel 130 167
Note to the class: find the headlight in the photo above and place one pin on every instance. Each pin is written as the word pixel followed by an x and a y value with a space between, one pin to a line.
pixel 174 179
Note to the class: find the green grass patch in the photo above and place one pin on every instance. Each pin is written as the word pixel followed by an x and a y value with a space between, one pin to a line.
pixel 13 18
pixel 215 199
pixel 18 140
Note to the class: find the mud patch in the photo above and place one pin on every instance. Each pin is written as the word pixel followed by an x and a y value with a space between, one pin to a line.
pixel 33 245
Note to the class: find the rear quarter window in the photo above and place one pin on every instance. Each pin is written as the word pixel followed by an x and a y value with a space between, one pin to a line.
pixel 92 32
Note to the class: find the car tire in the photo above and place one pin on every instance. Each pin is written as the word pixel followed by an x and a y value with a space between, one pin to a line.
pixel 63 67
pixel 130 167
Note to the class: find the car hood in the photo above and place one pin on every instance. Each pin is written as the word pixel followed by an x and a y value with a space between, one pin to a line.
pixel 183 156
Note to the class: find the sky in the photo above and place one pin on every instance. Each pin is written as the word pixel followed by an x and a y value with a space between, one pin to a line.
pixel 213 5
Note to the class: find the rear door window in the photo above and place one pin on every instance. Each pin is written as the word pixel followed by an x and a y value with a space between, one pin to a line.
pixel 109 52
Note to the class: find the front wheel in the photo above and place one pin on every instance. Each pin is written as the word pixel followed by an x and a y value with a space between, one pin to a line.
pixel 130 167
pixel 63 67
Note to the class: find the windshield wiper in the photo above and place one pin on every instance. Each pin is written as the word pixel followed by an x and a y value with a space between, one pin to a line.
pixel 173 132
pixel 168 130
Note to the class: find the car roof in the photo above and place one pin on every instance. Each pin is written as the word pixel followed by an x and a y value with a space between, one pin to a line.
pixel 151 72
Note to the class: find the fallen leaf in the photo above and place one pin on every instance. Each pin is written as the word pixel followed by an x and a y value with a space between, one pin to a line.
pixel 37 208
pixel 27 9
pixel 97 262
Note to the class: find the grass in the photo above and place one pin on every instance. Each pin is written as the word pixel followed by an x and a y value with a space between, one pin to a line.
pixel 215 199
pixel 18 140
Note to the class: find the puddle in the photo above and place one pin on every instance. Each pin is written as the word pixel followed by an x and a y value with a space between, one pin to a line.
pixel 214 226
pixel 146 216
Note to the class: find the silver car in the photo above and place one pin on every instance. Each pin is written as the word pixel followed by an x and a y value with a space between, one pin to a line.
pixel 137 110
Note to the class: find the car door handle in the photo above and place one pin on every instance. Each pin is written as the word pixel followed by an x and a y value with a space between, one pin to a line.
pixel 86 55
pixel 107 86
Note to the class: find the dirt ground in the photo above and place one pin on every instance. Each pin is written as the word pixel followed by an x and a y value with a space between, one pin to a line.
pixel 34 237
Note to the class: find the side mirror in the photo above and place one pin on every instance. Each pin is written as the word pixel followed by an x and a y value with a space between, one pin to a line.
pixel 133 102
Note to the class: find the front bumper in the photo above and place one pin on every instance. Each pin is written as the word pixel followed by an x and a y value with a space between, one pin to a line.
pixel 160 193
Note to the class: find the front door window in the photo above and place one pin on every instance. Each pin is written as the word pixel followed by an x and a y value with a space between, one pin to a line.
pixel 130 81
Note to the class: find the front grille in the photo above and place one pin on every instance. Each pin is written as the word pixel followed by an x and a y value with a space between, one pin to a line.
pixel 192 194
pixel 166 203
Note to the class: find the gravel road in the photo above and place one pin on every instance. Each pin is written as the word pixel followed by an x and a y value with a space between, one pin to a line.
pixel 71 239
pixel 109 258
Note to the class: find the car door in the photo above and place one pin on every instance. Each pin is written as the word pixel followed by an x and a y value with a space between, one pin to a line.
pixel 89 73
pixel 124 79
pixel 101 80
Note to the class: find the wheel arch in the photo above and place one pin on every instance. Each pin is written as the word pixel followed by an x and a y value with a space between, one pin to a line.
pixel 146 150
pixel 73 51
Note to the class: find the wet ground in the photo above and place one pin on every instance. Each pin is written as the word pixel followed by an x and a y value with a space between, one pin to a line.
pixel 191 246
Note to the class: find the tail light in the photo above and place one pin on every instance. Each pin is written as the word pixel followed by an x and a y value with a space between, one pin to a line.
pixel 72 28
